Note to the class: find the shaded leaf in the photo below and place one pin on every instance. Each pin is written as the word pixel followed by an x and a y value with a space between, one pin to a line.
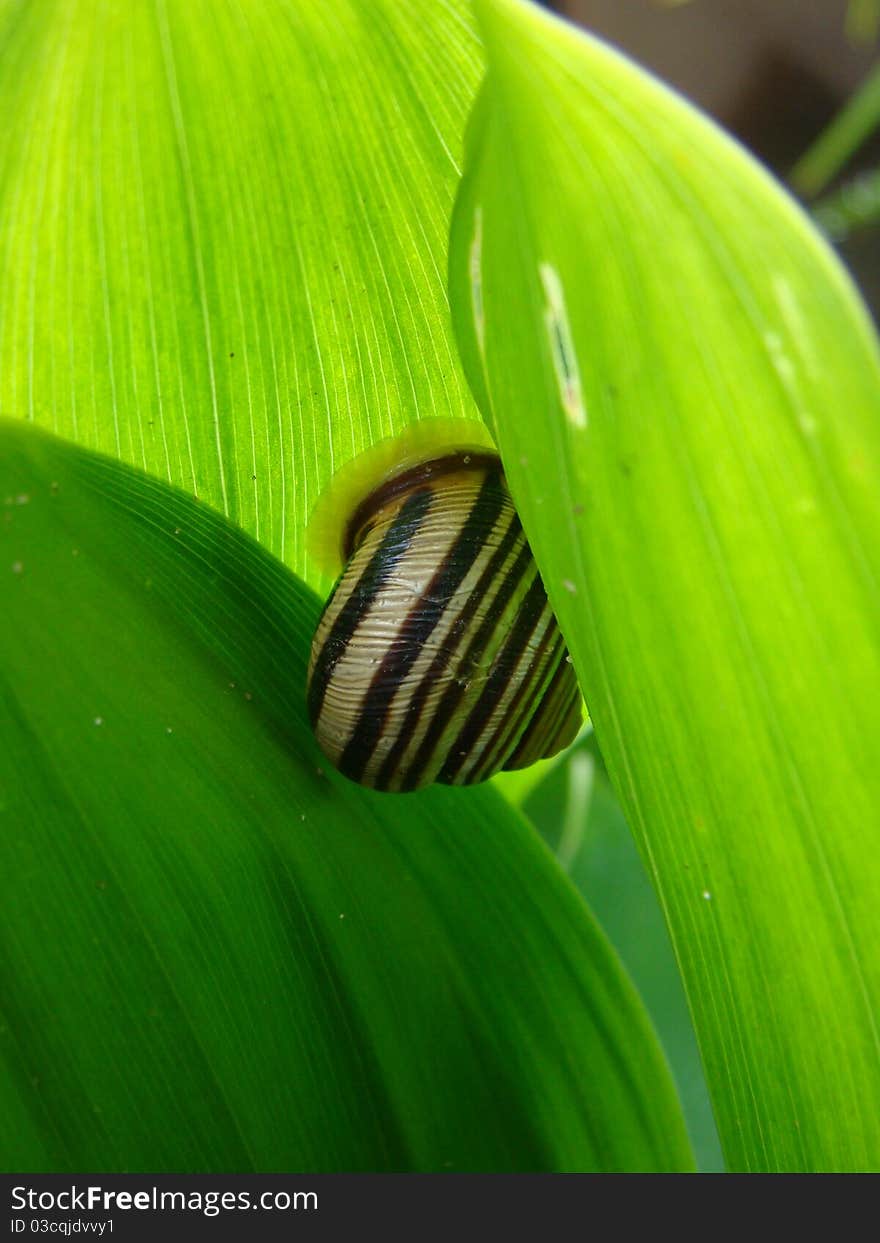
pixel 578 815
pixel 215 955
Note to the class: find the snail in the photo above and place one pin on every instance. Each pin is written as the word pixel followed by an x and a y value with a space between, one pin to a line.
pixel 437 657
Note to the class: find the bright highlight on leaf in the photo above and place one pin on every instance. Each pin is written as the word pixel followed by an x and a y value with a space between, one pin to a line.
pixel 709 532
pixel 223 236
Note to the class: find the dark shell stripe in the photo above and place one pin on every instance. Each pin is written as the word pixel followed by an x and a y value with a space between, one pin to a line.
pixel 387 492
pixel 572 721
pixel 419 624
pixel 438 657
pixel 544 703
pixel 468 742
pixel 377 626
pixel 531 681
pixel 564 723
pixel 440 662
pixel 449 710
pixel 556 705
pixel 543 724
pixel 450 699
pixel 411 585
pixel 510 712
pixel 534 674
pixel 361 594
pixel 444 669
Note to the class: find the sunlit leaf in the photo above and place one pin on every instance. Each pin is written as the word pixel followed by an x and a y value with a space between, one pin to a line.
pixel 686 392
pixel 223 235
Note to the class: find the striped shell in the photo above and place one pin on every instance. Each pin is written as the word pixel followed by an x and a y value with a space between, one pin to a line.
pixel 437 656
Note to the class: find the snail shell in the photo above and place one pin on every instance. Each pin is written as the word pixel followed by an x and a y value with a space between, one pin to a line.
pixel 437 656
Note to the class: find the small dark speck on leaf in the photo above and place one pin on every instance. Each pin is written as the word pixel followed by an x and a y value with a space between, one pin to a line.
pixel 578 510
pixel 232 356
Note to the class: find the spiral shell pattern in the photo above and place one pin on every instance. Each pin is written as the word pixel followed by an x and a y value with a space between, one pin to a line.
pixel 437 656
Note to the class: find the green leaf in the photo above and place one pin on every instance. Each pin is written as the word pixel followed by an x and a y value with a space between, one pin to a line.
pixel 215 955
pixel 579 817
pixel 854 124
pixel 685 391
pixel 223 235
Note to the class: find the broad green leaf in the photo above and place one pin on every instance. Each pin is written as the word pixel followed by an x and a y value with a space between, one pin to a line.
pixel 223 235
pixel 216 955
pixel 578 815
pixel 686 394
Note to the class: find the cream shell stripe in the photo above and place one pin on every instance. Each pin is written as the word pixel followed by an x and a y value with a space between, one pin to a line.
pixel 437 657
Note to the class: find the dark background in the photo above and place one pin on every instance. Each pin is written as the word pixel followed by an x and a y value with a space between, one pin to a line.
pixel 773 72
